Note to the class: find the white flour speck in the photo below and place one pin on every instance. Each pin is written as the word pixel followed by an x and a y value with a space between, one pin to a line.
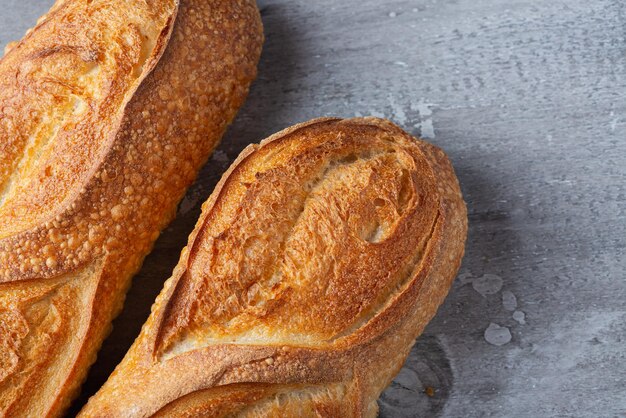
pixel 487 284
pixel 428 130
pixel 509 301
pixel 497 335
pixel 397 110
pixel 423 108
pixel 520 317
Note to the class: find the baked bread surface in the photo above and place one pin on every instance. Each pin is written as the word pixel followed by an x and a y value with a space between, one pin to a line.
pixel 319 258
pixel 107 111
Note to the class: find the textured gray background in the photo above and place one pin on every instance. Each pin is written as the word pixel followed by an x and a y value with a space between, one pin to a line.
pixel 528 98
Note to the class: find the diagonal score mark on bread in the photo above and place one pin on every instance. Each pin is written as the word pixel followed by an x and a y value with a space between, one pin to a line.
pixel 74 97
pixel 70 87
pixel 254 400
pixel 108 109
pixel 317 260
pixel 299 233
pixel 39 335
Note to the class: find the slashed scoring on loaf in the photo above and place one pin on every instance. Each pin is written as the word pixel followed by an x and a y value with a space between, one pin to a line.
pixel 67 89
pixel 38 326
pixel 249 400
pixel 309 237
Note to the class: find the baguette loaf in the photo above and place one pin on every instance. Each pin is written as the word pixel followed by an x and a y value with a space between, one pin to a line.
pixel 107 111
pixel 316 262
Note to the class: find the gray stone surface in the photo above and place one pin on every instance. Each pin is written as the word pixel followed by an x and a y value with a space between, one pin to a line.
pixel 528 98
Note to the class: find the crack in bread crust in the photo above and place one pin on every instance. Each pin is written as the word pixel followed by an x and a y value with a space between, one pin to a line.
pixel 320 256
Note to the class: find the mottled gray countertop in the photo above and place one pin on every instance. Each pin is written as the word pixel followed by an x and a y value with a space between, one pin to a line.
pixel 529 99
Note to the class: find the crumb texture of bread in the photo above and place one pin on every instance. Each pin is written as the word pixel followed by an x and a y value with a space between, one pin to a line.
pixel 107 112
pixel 319 258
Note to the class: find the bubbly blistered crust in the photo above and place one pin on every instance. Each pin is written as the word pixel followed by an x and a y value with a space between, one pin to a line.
pixel 318 259
pixel 107 111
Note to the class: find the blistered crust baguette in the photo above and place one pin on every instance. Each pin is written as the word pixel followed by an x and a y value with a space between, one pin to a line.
pixel 316 262
pixel 107 111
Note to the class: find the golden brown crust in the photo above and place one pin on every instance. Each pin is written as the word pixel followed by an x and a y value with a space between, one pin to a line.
pixel 318 259
pixel 107 111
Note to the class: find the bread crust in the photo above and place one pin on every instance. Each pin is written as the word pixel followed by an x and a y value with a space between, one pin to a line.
pixel 319 258
pixel 107 112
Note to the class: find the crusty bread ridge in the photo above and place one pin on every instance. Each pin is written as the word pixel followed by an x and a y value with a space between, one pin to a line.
pixel 107 111
pixel 319 258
